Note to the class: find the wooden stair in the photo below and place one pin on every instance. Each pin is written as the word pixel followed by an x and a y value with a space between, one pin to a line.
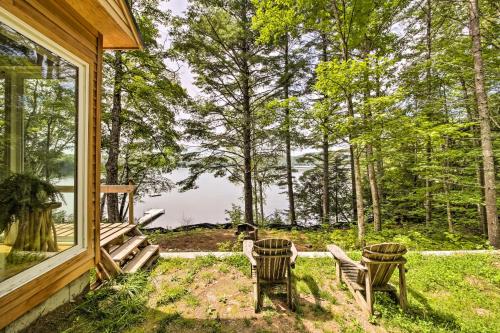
pixel 124 249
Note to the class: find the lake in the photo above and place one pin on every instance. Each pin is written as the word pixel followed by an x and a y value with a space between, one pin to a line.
pixel 205 204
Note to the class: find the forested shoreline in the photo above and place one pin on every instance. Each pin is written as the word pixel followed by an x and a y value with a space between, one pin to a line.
pixel 394 104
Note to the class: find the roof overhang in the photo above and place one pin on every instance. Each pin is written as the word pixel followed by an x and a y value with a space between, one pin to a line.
pixel 112 18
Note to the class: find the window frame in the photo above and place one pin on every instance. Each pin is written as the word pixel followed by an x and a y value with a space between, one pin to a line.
pixel 81 194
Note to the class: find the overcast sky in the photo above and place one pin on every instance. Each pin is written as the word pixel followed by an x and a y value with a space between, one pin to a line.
pixel 178 7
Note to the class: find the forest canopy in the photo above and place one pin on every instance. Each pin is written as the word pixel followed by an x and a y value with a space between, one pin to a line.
pixel 392 105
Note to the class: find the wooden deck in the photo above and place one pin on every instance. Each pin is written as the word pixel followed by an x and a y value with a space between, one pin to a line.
pixel 66 231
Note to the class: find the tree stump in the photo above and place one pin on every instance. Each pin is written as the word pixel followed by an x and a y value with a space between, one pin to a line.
pixel 36 231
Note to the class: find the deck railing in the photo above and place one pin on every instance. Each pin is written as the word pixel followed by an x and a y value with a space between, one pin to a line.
pixel 128 189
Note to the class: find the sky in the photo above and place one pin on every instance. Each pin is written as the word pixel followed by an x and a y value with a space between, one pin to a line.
pixel 178 7
pixel 186 78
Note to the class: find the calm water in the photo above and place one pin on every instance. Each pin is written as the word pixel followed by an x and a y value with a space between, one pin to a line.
pixel 206 204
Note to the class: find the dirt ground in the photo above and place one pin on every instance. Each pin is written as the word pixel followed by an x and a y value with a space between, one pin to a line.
pixel 219 298
pixel 217 240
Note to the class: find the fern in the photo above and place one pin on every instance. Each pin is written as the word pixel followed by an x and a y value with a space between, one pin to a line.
pixel 23 193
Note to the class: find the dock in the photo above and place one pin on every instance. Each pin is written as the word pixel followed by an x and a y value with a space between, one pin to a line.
pixel 150 216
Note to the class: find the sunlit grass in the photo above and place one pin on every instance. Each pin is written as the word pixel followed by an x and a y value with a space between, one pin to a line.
pixel 459 293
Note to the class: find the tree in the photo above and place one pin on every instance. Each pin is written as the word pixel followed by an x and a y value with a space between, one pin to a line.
pixel 235 77
pixel 484 125
pixel 309 188
pixel 141 97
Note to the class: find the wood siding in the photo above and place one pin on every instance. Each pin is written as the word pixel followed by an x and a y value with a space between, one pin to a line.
pixel 61 23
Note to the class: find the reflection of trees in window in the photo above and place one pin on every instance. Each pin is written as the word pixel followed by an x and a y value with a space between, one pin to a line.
pixel 39 119
pixel 3 162
pixel 49 127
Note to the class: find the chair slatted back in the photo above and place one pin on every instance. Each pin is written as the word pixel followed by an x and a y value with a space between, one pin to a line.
pixel 388 254
pixel 273 258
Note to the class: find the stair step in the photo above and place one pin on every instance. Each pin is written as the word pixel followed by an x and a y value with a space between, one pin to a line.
pixel 124 250
pixel 116 233
pixel 140 259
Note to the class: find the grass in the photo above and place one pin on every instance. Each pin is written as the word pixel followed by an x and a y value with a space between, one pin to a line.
pixel 458 293
pixel 414 236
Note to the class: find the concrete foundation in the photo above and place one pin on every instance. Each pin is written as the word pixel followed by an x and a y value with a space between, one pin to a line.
pixel 65 295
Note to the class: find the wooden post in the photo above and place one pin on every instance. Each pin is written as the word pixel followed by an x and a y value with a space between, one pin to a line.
pixel 369 290
pixel 403 301
pixel 289 285
pixel 131 204
pixel 338 271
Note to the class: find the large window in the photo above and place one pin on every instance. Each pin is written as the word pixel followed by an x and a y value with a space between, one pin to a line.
pixel 41 212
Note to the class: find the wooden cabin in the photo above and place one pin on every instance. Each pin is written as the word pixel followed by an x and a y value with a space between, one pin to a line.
pixel 51 55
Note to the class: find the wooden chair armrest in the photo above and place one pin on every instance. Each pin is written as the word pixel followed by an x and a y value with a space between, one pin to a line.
pixel 341 256
pixel 295 254
pixel 247 251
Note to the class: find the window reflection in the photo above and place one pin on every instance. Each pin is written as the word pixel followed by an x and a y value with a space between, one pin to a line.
pixel 38 150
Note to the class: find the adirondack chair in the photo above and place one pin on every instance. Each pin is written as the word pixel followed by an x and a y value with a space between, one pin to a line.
pixel 377 265
pixel 271 265
pixel 250 231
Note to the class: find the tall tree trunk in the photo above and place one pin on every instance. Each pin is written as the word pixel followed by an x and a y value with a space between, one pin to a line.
pixel 336 189
pixel 325 149
pixel 326 179
pixel 484 125
pixel 357 188
pixel 358 185
pixel 481 211
pixel 359 199
pixel 449 217
pixel 428 148
pixel 261 195
pixel 378 147
pixel 255 191
pixel 247 122
pixel 372 176
pixel 114 140
pixel 446 183
pixel 288 149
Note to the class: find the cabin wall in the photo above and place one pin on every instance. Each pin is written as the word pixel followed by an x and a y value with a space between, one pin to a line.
pixel 59 22
pixel 61 297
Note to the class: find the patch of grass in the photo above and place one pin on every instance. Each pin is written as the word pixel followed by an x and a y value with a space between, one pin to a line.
pixel 118 305
pixel 169 265
pixel 269 316
pixel 168 319
pixel 223 268
pixel 225 246
pixel 245 289
pixel 192 301
pixel 204 262
pixel 173 322
pixel 238 261
pixel 208 277
pixel 171 294
pixel 444 295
